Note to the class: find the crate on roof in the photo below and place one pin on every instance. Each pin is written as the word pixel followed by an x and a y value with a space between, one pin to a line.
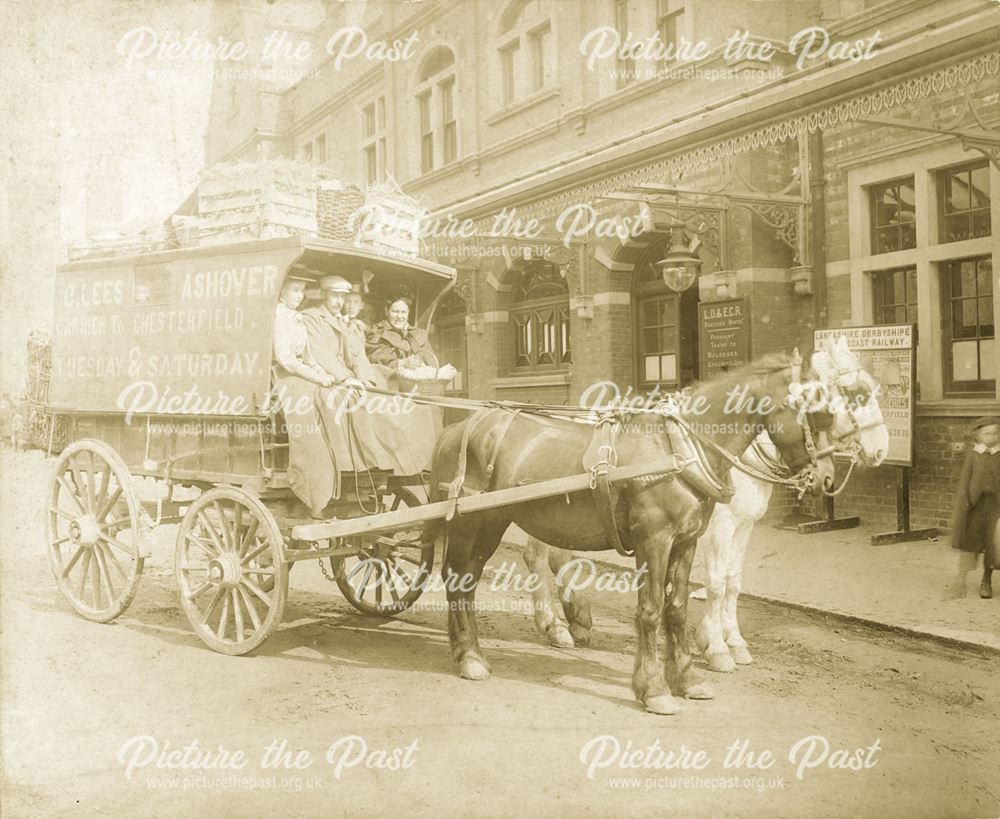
pixel 271 199
pixel 256 200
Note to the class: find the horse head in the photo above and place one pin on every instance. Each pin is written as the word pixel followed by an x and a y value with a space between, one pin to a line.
pixel 780 405
pixel 853 401
pixel 801 433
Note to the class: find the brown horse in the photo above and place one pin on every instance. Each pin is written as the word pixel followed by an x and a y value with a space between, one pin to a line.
pixel 660 519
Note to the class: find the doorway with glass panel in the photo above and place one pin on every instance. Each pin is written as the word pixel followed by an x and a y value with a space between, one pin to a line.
pixel 665 325
pixel 667 338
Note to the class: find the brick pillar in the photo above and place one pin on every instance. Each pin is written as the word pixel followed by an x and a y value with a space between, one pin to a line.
pixel 602 345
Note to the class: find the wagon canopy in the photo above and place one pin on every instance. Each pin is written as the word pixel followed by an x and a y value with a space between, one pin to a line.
pixel 189 331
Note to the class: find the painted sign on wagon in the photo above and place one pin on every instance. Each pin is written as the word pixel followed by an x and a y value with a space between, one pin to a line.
pixel 887 352
pixel 180 332
pixel 723 336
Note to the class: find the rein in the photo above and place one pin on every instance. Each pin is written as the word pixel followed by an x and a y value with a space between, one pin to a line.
pixel 800 481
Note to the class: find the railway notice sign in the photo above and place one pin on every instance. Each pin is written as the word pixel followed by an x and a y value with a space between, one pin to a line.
pixel 723 336
pixel 888 353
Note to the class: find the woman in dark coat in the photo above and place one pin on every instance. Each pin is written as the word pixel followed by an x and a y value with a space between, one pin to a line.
pixel 977 507
pixel 393 341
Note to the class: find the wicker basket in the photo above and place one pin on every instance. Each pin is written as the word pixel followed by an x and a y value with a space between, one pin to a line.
pixel 334 209
pixel 431 386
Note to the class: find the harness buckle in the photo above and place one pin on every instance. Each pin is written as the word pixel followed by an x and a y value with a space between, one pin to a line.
pixel 454 492
pixel 607 458
pixel 611 456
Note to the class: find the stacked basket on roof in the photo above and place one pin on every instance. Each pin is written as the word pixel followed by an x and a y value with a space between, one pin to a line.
pixel 239 201
pixel 243 201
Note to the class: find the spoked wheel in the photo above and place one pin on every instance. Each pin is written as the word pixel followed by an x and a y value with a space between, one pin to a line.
pixel 227 545
pixel 94 530
pixel 389 573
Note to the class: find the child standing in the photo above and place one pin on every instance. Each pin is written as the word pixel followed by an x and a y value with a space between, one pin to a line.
pixel 977 507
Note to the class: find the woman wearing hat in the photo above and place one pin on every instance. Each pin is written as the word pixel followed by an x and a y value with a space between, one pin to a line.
pixel 977 508
pixel 299 381
pixel 394 343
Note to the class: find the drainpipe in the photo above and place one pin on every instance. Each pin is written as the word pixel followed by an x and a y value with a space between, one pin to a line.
pixel 821 319
pixel 817 204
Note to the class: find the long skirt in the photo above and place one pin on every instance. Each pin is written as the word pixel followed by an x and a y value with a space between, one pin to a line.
pixel 312 472
pixel 335 430
pixel 396 434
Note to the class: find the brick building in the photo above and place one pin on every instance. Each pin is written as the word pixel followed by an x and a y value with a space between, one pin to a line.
pixel 510 116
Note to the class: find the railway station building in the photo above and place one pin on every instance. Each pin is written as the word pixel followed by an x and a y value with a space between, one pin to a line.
pixel 813 176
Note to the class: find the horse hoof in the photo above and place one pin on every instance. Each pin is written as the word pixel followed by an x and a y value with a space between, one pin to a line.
pixel 560 637
pixel 472 669
pixel 740 655
pixel 699 691
pixel 580 635
pixel 722 661
pixel 662 704
pixel 701 640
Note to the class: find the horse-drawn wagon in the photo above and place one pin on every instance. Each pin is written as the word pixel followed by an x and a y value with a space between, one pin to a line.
pixel 162 370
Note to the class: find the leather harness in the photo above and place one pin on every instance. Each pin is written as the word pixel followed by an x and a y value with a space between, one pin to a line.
pixel 600 456
pixel 456 487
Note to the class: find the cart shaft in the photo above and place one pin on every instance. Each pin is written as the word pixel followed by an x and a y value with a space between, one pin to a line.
pixel 480 502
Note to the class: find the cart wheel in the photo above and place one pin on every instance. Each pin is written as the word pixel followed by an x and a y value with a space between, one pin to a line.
pixel 220 550
pixel 94 528
pixel 389 573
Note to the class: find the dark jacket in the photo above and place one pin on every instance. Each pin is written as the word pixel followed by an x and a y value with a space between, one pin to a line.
pixel 387 345
pixel 977 507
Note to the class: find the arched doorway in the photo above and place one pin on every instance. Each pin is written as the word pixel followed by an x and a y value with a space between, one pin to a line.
pixel 449 340
pixel 665 325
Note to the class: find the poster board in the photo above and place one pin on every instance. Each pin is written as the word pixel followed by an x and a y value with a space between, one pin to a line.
pixel 888 353
pixel 723 336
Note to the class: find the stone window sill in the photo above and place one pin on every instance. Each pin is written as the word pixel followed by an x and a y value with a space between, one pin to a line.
pixel 958 407
pixel 523 105
pixel 557 379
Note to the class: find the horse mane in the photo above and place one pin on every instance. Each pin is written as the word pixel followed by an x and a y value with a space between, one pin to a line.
pixel 765 365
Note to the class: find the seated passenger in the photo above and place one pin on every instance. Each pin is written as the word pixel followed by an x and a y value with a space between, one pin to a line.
pixel 299 381
pixel 369 435
pixel 357 330
pixel 394 343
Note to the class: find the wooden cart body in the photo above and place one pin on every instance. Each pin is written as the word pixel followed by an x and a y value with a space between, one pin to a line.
pixel 160 366
pixel 167 356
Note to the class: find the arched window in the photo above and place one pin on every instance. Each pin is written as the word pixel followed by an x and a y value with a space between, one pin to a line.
pixel 527 53
pixel 450 341
pixel 436 107
pixel 539 316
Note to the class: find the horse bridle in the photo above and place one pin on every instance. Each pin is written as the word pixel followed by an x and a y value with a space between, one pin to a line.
pixel 853 448
pixel 834 382
pixel 800 481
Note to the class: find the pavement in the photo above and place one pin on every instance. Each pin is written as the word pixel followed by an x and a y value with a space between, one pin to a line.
pixel 901 586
